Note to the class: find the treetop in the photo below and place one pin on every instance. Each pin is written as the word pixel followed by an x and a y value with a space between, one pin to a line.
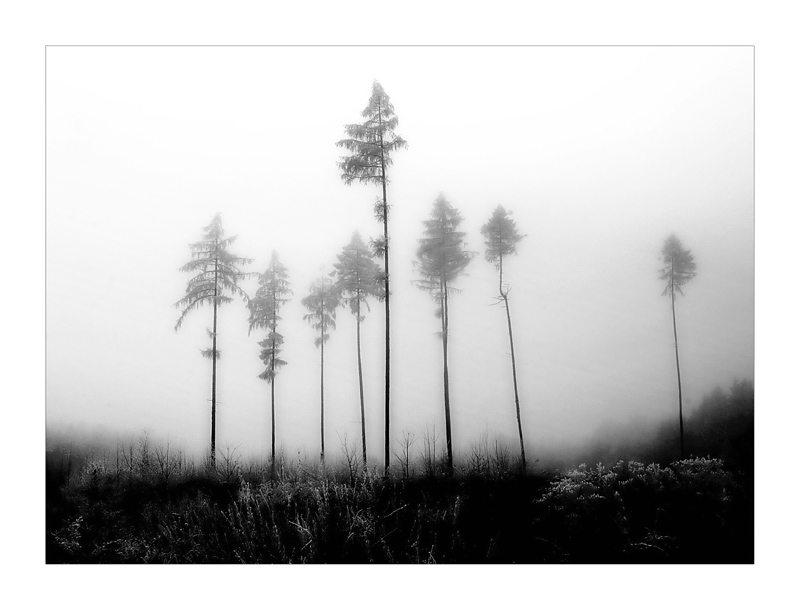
pixel 441 255
pixel 372 141
pixel 501 235
pixel 218 271
pixel 679 265
pixel 321 302
pixel 358 275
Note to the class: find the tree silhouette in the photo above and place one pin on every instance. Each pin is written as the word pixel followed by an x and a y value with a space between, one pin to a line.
pixel 372 144
pixel 217 272
pixel 322 302
pixel 272 293
pixel 441 259
pixel 357 280
pixel 501 238
pixel 678 270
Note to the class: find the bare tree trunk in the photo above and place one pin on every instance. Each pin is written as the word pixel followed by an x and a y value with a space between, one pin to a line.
pixel 504 294
pixel 214 375
pixel 322 397
pixel 678 365
pixel 445 324
pixel 272 396
pixel 361 382
pixel 516 390
pixel 273 328
pixel 272 368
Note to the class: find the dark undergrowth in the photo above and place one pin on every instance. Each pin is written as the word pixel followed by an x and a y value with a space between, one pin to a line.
pixel 152 507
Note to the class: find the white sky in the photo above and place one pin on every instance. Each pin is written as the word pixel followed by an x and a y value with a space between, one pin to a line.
pixel 599 152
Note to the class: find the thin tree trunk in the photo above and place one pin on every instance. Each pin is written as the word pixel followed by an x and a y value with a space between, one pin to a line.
pixel 387 392
pixel 322 397
pixel 214 375
pixel 516 391
pixel 272 366
pixel 504 294
pixel 386 305
pixel 272 396
pixel 445 324
pixel 361 381
pixel 678 365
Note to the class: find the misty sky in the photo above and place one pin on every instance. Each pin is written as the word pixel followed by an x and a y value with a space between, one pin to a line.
pixel 600 152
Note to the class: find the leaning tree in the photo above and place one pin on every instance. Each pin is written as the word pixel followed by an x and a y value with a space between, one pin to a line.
pixel 501 237
pixel 272 293
pixel 322 302
pixel 441 259
pixel 357 279
pixel 216 272
pixel 679 268
pixel 371 145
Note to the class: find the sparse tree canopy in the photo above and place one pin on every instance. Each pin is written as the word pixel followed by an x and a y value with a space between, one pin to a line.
pixel 321 302
pixel 501 236
pixel 358 275
pixel 272 293
pixel 217 272
pixel 679 266
pixel 441 255
pixel 371 142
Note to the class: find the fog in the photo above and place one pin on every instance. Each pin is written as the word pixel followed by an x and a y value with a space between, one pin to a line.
pixel 599 152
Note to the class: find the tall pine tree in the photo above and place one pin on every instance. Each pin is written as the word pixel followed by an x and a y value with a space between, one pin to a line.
pixel 679 268
pixel 372 144
pixel 357 279
pixel 272 293
pixel 322 302
pixel 217 272
pixel 501 238
pixel 441 259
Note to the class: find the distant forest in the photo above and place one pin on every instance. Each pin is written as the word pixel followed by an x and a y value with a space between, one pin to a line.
pixel 721 427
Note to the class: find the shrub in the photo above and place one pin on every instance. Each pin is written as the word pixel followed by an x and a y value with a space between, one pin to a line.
pixel 143 506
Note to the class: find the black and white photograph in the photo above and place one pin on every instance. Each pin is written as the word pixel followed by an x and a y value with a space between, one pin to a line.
pixel 399 304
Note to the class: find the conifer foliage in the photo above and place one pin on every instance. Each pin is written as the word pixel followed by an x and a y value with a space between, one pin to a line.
pixel 441 259
pixel 272 293
pixel 501 237
pixel 679 268
pixel 217 272
pixel 357 279
pixel 322 302
pixel 371 145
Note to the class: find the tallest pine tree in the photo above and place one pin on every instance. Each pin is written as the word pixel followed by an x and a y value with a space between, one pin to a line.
pixel 371 145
